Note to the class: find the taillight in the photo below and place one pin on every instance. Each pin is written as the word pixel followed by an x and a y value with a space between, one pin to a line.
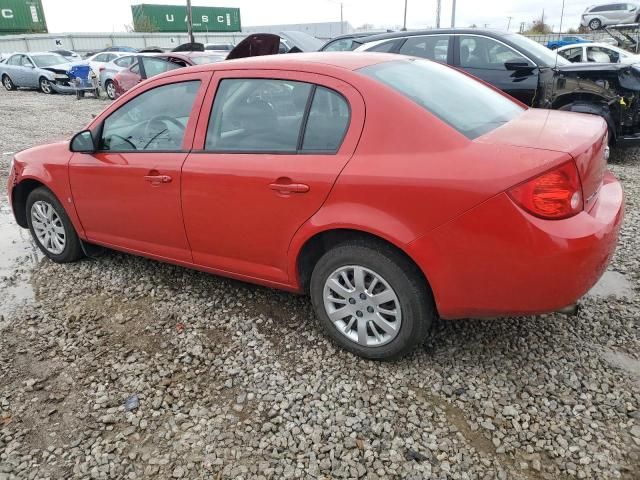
pixel 554 194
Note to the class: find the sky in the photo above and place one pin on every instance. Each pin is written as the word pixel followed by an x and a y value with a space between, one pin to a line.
pixel 112 15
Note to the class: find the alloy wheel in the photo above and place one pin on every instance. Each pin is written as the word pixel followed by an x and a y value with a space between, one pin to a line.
pixel 45 85
pixel 7 83
pixel 48 227
pixel 111 90
pixel 362 306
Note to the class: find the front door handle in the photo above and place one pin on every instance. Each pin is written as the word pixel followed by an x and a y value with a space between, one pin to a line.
pixel 158 179
pixel 287 188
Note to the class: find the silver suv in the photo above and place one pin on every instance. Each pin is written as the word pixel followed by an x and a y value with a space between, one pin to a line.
pixel 598 16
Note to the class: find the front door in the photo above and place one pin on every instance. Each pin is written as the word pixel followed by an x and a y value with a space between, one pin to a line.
pixel 272 147
pixel 486 59
pixel 127 194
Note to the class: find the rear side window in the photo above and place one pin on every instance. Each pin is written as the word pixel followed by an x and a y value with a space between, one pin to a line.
pixel 383 47
pixel 327 121
pixel 572 54
pixel 257 115
pixel 433 47
pixel 124 61
pixel 465 104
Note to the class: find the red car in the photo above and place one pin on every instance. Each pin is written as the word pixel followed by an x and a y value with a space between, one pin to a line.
pixel 391 189
pixel 150 65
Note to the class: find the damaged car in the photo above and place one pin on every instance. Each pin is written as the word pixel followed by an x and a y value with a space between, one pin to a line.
pixel 529 72
pixel 46 71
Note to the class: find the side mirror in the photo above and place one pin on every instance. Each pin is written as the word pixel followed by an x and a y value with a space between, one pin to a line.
pixel 82 142
pixel 518 65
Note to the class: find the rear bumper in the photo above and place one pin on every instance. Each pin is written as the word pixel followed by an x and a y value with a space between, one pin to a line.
pixel 497 260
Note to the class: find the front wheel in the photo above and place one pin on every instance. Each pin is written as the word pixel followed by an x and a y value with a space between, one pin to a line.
pixel 45 86
pixel 8 83
pixel 371 300
pixel 110 88
pixel 595 24
pixel 51 228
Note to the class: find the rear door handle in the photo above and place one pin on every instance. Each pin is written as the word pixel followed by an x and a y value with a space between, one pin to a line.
pixel 287 188
pixel 158 179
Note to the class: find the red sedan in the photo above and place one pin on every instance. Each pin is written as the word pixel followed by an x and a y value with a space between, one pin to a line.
pixel 150 65
pixel 390 189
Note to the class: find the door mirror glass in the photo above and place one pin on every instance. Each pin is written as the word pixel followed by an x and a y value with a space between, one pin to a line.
pixel 82 142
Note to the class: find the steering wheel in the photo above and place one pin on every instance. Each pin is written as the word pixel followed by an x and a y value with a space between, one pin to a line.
pixel 161 119
pixel 126 140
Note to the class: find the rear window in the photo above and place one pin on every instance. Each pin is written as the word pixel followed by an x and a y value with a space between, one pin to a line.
pixel 465 104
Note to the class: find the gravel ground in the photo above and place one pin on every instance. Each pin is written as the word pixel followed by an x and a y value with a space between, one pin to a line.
pixel 122 367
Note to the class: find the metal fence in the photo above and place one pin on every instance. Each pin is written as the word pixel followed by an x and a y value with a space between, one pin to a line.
pixel 89 42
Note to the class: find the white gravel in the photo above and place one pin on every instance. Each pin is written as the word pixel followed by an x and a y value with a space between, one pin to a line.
pixel 237 381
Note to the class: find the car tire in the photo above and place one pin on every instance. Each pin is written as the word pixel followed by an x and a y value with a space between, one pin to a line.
pixel 45 85
pixel 595 24
pixel 110 88
pixel 8 83
pixel 51 228
pixel 396 277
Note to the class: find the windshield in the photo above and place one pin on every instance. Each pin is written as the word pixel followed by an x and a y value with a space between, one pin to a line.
pixel 464 103
pixel 48 60
pixel 546 57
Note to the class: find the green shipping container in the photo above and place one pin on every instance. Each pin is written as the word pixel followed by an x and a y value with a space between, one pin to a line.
pixel 22 16
pixel 173 18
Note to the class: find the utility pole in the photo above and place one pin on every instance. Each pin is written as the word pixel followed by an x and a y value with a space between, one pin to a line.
pixel 453 14
pixel 341 22
pixel 509 23
pixel 189 22
pixel 404 24
pixel 438 6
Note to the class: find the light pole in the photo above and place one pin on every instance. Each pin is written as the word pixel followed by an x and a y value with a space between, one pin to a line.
pixel 404 24
pixel 509 23
pixel 453 14
pixel 189 22
pixel 341 22
pixel 438 6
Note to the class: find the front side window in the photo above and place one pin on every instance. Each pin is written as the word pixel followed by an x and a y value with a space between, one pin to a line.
pixel 156 66
pixel 15 60
pixel 26 62
pixel 486 53
pixel 465 104
pixel 433 47
pixel 257 115
pixel 572 54
pixel 154 120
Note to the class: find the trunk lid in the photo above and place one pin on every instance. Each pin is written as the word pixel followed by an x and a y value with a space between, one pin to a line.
pixel 582 136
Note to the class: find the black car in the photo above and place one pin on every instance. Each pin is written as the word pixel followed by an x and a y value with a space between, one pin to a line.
pixel 530 72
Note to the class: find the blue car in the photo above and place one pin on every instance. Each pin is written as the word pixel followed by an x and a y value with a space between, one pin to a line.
pixel 553 44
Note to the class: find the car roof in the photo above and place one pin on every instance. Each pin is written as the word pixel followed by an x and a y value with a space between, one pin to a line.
pixel 358 35
pixel 433 31
pixel 592 44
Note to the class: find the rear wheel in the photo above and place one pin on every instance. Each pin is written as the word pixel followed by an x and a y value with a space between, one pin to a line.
pixel 51 228
pixel 110 88
pixel 595 24
pixel 45 86
pixel 371 300
pixel 8 83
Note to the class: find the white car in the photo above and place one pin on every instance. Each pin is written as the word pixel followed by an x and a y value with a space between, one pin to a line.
pixel 99 60
pixel 597 52
pixel 68 54
pixel 598 16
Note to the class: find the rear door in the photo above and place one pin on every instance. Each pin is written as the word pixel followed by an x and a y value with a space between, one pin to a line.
pixel 486 59
pixel 270 148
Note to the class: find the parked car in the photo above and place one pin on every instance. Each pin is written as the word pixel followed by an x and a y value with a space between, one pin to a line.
pixel 109 70
pixel 345 43
pixel 553 44
pixel 44 70
pixel 225 47
pixel 598 16
pixel 147 66
pixel 69 55
pixel 467 204
pixel 99 60
pixel 529 72
pixel 598 53
pixel 114 49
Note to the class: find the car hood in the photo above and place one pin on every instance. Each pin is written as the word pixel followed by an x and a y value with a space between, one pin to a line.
pixel 62 67
pixel 628 75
